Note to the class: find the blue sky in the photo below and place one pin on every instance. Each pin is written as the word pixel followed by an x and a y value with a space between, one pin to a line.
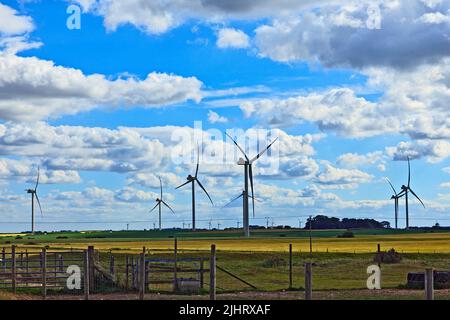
pixel 96 108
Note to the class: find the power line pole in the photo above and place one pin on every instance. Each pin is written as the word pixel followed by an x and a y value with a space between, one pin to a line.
pixel 273 223
pixel 218 226
pixel 267 222
pixel 238 224
pixel 128 226
pixel 210 224
pixel 299 223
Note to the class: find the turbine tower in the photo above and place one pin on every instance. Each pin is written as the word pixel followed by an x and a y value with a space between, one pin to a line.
pixel 396 196
pixel 406 190
pixel 193 179
pixel 34 194
pixel 159 202
pixel 248 173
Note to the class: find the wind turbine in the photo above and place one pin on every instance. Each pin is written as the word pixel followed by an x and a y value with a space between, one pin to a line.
pixel 239 196
pixel 248 173
pixel 159 202
pixel 34 194
pixel 406 190
pixel 396 196
pixel 193 180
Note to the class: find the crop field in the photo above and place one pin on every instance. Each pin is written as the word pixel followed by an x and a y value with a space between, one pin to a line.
pixel 365 241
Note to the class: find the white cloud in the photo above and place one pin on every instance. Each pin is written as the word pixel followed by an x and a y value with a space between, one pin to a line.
pixel 335 178
pixel 354 160
pixel 157 17
pixel 433 150
pixel 12 23
pixel 445 185
pixel 214 117
pixel 34 89
pixel 15 30
pixel 232 38
pixel 339 36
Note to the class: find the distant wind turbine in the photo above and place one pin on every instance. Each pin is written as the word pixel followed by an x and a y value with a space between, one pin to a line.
pixel 193 179
pixel 34 194
pixel 159 202
pixel 406 190
pixel 396 196
pixel 248 173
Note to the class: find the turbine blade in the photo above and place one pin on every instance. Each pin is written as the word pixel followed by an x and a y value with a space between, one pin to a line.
pixel 168 207
pixel 264 151
pixel 251 185
pixel 39 203
pixel 395 192
pixel 409 173
pixel 239 196
pixel 255 199
pixel 239 147
pixel 37 180
pixel 183 185
pixel 415 195
pixel 154 207
pixel 198 160
pixel 203 188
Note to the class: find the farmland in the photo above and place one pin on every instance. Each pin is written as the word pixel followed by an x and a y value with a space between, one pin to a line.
pixel 339 263
pixel 365 241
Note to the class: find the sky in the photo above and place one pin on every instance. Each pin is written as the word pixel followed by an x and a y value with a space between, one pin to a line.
pixel 105 97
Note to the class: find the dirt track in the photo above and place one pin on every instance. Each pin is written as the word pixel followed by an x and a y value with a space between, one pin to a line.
pixel 386 294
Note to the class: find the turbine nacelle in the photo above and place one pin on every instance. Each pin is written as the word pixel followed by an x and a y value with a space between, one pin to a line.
pixel 190 178
pixel 242 162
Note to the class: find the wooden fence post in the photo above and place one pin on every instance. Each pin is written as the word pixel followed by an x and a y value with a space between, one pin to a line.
pixel 44 273
pixel 212 273
pixel 142 277
pixel 175 264
pixel 4 259
pixel 127 271
pixel 290 266
pixel 91 253
pixel 13 269
pixel 27 260
pixel 308 281
pixel 86 274
pixel 133 274
pixel 111 264
pixel 429 284
pixel 61 263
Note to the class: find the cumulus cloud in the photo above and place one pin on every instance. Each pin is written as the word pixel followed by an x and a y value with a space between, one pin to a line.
pixel 34 89
pixel 341 36
pixel 337 110
pixel 15 31
pixel 336 178
pixel 157 17
pixel 433 150
pixel 232 38
pixel 12 23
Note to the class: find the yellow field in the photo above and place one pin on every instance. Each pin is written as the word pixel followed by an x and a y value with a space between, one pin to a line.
pixel 411 243
pixel 10 234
